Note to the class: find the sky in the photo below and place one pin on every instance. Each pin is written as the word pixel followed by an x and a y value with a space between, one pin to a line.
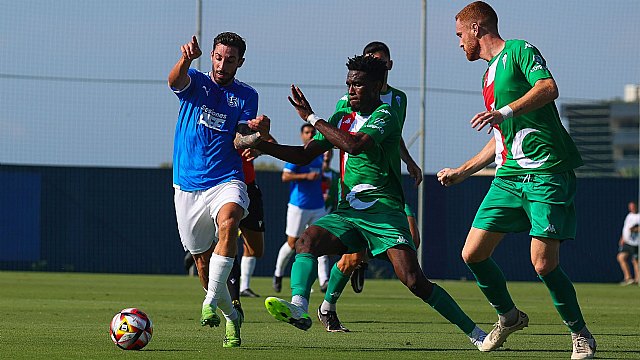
pixel 83 83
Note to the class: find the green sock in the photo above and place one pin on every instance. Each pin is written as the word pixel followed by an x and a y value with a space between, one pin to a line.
pixel 491 281
pixel 303 274
pixel 564 298
pixel 337 282
pixel 444 304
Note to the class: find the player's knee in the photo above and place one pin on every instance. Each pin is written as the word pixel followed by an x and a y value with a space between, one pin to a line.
pixel 228 224
pixel 544 266
pixel 470 256
pixel 419 285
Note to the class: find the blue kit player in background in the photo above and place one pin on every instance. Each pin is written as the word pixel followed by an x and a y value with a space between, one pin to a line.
pixel 217 115
pixel 306 205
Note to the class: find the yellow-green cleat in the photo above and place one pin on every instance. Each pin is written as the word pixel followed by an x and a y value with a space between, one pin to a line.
pixel 287 312
pixel 209 316
pixel 232 333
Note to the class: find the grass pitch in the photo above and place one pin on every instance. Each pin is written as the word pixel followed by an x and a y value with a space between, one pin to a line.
pixel 67 315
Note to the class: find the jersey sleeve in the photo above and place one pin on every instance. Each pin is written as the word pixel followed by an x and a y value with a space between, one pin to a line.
pixel 289 167
pixel 250 108
pixel 382 124
pixel 193 84
pixel 531 63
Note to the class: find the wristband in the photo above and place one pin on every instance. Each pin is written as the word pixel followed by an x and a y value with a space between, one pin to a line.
pixel 312 119
pixel 506 111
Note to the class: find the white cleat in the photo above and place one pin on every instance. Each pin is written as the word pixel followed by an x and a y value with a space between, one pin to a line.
pixel 499 334
pixel 583 347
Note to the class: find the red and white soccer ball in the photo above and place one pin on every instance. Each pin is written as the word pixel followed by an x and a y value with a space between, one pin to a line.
pixel 131 329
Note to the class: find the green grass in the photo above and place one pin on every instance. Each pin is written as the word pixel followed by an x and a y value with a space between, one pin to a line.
pixel 63 315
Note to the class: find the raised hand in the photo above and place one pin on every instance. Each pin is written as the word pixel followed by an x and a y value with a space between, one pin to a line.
pixel 191 50
pixel 299 102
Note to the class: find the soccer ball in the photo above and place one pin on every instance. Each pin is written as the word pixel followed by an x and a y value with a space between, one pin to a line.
pixel 131 329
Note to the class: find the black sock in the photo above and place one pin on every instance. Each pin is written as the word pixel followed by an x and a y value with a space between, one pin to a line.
pixel 233 282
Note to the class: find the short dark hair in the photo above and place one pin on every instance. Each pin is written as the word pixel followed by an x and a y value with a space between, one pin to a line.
pixel 231 39
pixel 306 125
pixel 376 46
pixel 372 66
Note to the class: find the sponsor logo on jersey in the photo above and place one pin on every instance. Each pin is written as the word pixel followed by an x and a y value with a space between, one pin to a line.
pixel 504 61
pixel 377 124
pixel 399 100
pixel 232 101
pixel 206 90
pixel 539 63
pixel 211 119
pixel 527 45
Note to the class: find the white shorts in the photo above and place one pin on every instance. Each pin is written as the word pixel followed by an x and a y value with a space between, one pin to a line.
pixel 196 212
pixel 299 219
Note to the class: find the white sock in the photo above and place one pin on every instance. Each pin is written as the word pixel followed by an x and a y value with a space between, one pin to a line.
pixel 217 292
pixel 247 265
pixel 327 306
pixel 301 301
pixel 323 269
pixel 283 259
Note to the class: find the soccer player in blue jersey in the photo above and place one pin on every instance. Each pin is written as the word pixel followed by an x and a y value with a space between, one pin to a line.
pixel 306 205
pixel 217 115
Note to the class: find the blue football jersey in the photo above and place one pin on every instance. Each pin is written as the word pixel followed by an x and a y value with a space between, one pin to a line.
pixel 203 151
pixel 306 194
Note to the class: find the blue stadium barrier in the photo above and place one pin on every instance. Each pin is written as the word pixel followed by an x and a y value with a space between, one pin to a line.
pixel 115 220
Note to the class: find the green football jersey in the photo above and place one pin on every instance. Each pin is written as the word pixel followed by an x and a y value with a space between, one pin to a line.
pixel 394 97
pixel 370 180
pixel 535 142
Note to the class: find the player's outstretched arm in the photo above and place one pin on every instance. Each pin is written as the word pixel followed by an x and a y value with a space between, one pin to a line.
pixel 448 176
pixel 178 78
pixel 299 155
pixel 350 143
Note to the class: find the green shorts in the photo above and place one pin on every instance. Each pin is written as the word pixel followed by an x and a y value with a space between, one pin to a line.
pixel 374 231
pixel 542 204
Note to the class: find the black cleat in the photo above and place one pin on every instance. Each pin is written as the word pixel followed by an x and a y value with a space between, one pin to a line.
pixel 331 322
pixel 357 277
pixel 277 283
pixel 249 293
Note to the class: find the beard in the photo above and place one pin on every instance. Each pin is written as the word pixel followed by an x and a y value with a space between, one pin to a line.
pixel 472 50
